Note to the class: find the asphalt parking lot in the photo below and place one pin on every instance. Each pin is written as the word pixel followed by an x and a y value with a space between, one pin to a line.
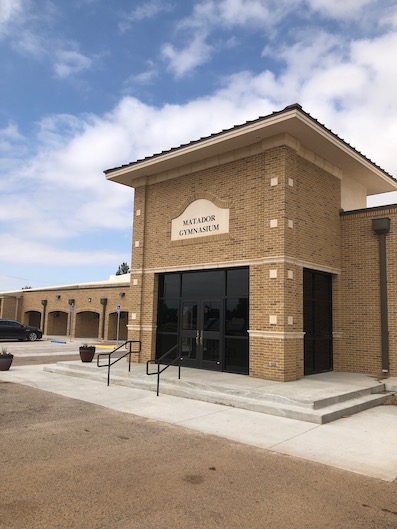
pixel 68 464
pixel 45 351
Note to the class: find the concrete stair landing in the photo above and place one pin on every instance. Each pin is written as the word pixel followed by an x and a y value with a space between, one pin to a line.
pixel 318 399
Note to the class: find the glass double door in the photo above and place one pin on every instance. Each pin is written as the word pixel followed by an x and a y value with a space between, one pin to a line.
pixel 200 333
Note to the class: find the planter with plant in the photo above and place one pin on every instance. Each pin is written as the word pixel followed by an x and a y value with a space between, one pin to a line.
pixel 6 359
pixel 87 352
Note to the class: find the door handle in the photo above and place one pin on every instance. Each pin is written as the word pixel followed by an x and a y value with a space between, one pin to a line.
pixel 201 338
pixel 197 337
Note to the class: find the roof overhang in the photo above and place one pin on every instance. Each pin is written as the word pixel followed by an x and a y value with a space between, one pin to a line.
pixel 311 137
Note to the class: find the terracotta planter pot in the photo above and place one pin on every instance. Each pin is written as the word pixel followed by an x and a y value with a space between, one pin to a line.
pixel 5 362
pixel 87 353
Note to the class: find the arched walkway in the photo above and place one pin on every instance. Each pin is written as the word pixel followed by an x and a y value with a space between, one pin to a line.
pixel 33 317
pixel 57 323
pixel 87 325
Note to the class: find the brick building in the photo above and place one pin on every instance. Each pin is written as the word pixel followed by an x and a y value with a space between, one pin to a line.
pixel 87 310
pixel 254 252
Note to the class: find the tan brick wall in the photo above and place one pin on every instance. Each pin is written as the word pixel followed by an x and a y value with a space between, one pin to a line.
pixel 142 322
pixel 316 200
pixel 274 185
pixel 58 301
pixel 360 313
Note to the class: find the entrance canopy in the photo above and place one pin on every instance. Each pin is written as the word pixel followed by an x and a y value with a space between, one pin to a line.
pixel 292 127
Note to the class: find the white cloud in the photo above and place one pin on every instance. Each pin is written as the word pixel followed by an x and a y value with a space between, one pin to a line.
pixel 31 44
pixel 21 25
pixel 143 78
pixel 31 32
pixel 10 10
pixel 149 10
pixel 210 26
pixel 183 61
pixel 231 13
pixel 340 8
pixel 71 62
pixel 145 10
pixel 64 185
pixel 60 193
pixel 206 18
pixel 35 252
pixel 10 137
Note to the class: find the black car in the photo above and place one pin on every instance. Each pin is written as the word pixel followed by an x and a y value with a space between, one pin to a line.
pixel 11 329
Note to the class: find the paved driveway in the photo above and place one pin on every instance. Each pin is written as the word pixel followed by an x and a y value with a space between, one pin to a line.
pixel 66 463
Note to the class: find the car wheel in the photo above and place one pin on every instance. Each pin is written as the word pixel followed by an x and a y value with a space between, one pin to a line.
pixel 32 336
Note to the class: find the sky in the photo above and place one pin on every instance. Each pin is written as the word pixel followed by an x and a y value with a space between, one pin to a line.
pixel 88 85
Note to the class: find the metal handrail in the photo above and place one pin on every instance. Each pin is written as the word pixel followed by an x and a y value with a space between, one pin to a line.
pixel 157 361
pixel 130 352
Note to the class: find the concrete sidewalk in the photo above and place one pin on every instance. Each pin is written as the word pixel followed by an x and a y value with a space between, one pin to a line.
pixel 365 443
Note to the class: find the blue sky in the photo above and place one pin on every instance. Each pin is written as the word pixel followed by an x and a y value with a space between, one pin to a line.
pixel 87 85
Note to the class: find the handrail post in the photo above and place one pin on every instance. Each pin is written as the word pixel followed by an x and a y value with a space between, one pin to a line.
pixel 108 368
pixel 177 360
pixel 129 353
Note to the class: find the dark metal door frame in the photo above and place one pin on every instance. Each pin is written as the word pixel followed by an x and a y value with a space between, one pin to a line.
pixel 197 333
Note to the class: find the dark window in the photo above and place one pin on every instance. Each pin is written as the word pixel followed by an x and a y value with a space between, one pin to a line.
pixel 170 286
pixel 317 321
pixel 168 315
pixel 189 316
pixel 236 318
pixel 165 342
pixel 236 355
pixel 212 314
pixel 211 350
pixel 202 284
pixel 237 282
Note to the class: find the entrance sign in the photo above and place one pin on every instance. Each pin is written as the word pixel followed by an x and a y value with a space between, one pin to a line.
pixel 200 219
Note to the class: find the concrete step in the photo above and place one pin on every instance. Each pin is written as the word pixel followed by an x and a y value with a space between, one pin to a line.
pixel 319 411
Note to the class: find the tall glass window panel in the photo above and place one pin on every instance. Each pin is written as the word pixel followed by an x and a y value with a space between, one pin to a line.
pixel 170 286
pixel 188 347
pixel 236 355
pixel 238 282
pixel 236 318
pixel 212 316
pixel 168 315
pixel 211 350
pixel 165 342
pixel 189 316
pixel 202 284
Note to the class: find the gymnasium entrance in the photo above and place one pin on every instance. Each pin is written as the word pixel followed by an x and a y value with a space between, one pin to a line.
pixel 205 314
pixel 200 335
